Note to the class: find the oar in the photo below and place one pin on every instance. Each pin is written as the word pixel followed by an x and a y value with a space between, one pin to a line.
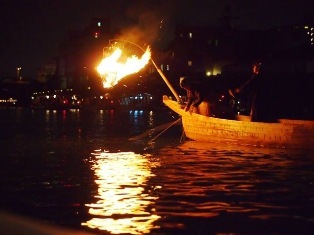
pixel 162 127
pixel 255 74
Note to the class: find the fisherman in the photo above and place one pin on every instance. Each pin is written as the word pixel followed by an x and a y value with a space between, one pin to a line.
pixel 197 96
pixel 249 92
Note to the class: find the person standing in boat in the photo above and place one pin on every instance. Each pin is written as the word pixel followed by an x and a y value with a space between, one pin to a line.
pixel 197 96
pixel 250 90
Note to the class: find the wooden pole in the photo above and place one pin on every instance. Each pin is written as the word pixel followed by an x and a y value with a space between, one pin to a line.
pixel 166 81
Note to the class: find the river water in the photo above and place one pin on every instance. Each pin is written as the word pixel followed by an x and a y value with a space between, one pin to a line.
pixel 78 169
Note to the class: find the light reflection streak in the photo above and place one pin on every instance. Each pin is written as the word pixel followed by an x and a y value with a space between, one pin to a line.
pixel 123 204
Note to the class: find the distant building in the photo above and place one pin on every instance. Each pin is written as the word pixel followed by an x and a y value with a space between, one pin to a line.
pixel 79 52
pixel 207 51
pixel 46 72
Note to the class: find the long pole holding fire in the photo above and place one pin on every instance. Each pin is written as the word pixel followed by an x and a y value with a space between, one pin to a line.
pixel 158 70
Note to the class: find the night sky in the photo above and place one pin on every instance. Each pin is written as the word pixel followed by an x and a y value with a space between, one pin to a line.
pixel 32 29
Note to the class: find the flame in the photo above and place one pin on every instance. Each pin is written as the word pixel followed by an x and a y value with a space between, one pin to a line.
pixel 112 69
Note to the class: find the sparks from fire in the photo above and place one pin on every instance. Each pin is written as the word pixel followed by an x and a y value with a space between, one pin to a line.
pixel 113 68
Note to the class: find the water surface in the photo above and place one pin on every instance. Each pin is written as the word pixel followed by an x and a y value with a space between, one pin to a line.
pixel 78 169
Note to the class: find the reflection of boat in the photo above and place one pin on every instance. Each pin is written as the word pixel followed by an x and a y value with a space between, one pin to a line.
pixel 284 133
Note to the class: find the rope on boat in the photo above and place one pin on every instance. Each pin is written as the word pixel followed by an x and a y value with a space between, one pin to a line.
pixel 175 122
pixel 183 136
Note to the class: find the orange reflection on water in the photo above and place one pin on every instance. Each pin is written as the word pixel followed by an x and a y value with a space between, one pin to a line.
pixel 123 203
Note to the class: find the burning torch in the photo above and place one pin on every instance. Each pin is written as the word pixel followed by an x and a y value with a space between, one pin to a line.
pixel 114 71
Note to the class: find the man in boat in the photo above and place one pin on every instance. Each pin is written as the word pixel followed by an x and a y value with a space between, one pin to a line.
pixel 198 99
pixel 249 91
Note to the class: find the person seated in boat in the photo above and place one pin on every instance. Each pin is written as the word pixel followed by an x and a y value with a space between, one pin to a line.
pixel 197 96
pixel 245 96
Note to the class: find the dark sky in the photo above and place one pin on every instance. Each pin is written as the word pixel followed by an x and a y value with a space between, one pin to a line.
pixel 32 29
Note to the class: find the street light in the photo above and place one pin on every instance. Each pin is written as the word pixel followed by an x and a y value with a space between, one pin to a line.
pixel 18 71
pixel 158 70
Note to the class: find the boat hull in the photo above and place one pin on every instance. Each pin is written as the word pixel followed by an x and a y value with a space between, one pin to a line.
pixel 283 134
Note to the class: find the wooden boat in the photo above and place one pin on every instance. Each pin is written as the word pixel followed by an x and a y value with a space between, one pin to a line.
pixel 284 133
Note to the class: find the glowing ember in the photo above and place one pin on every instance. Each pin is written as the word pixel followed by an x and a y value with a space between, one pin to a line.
pixel 113 68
